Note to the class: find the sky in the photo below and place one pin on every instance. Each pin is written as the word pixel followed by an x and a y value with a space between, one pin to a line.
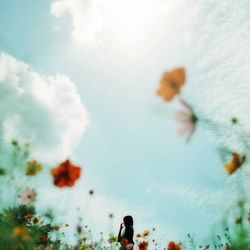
pixel 107 59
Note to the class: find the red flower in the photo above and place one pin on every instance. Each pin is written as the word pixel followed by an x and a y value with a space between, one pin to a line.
pixel 43 239
pixel 143 245
pixel 173 246
pixel 65 174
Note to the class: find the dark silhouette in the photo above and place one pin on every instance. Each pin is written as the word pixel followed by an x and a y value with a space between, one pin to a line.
pixel 126 232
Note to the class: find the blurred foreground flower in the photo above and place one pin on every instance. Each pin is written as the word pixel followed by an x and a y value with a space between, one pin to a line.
pixel 27 196
pixel 143 245
pixel 173 246
pixel 32 168
pixel 187 119
pixel 21 232
pixel 235 163
pixel 65 174
pixel 171 83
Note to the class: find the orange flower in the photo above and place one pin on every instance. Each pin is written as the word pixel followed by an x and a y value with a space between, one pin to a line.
pixel 235 163
pixel 173 246
pixel 171 83
pixel 21 232
pixel 65 174
pixel 32 168
pixel 143 245
pixel 124 242
pixel 35 220
pixel 145 233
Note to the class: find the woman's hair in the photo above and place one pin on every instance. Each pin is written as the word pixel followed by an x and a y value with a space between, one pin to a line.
pixel 128 221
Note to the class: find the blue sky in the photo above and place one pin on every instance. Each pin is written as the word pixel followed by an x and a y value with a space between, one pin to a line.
pixel 130 150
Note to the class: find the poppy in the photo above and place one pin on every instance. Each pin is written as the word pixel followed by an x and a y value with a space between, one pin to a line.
pixel 66 174
pixel 171 83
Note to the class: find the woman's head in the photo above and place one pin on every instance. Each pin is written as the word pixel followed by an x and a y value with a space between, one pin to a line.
pixel 128 221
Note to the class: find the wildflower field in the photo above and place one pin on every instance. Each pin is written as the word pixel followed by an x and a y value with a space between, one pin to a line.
pixel 115 108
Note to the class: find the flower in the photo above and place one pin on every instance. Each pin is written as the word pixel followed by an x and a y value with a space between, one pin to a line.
pixel 173 246
pixel 143 245
pixel 32 168
pixel 235 163
pixel 28 216
pixel 21 232
pixel 124 242
pixel 43 239
pixel 27 196
pixel 187 119
pixel 65 174
pixel 35 220
pixel 171 83
pixel 145 233
pixel 130 246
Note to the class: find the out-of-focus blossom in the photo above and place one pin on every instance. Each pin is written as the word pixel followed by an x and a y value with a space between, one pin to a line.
pixel 171 83
pixel 145 233
pixel 124 242
pixel 27 196
pixel 227 247
pixel 187 120
pixel 56 228
pixel 43 239
pixel 32 168
pixel 235 163
pixel 138 235
pixel 173 246
pixel 35 220
pixel 28 216
pixel 143 245
pixel 21 232
pixel 130 246
pixel 65 174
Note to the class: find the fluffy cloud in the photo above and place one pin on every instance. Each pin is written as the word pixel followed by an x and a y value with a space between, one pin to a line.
pixel 44 111
pixel 86 19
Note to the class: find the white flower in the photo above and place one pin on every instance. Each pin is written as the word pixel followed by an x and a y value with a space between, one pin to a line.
pixel 27 196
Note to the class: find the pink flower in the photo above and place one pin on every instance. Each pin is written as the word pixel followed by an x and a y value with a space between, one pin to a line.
pixel 187 120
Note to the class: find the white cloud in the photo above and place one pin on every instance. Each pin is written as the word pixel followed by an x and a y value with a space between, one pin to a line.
pixel 45 111
pixel 86 19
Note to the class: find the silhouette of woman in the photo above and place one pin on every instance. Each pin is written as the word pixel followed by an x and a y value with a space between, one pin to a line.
pixel 126 233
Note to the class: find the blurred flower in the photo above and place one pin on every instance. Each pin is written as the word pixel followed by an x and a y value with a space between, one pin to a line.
pixel 173 246
pixel 130 246
pixel 112 239
pixel 27 196
pixel 143 245
pixel 32 168
pixel 187 119
pixel 138 235
pixel 56 228
pixel 124 242
pixel 43 239
pixel 171 83
pixel 235 163
pixel 35 220
pixel 227 247
pixel 65 174
pixel 28 216
pixel 21 232
pixel 66 225
pixel 145 233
